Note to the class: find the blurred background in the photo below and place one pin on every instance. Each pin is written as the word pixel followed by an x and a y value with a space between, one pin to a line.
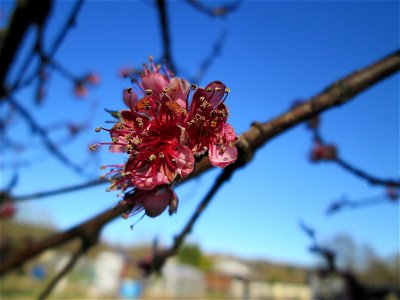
pixel 285 226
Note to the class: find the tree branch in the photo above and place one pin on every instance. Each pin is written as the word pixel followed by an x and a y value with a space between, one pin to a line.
pixel 159 258
pixel 258 134
pixel 61 190
pixel 371 179
pixel 27 13
pixel 162 10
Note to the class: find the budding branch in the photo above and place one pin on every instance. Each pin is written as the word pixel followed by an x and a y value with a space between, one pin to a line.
pixel 258 134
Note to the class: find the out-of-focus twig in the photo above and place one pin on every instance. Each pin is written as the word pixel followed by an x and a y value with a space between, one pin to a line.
pixel 338 205
pixel 371 179
pixel 70 22
pixel 62 190
pixel 159 257
pixel 219 11
pixel 207 62
pixel 51 147
pixel 63 272
pixel 26 14
pixel 258 134
pixel 163 14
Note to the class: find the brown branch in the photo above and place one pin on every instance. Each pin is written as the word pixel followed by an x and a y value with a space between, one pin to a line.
pixel 26 14
pixel 259 133
pixel 371 179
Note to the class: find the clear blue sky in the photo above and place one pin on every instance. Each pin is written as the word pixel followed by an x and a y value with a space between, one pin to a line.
pixel 274 53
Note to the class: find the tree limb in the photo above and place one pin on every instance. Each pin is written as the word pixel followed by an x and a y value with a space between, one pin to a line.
pixel 258 134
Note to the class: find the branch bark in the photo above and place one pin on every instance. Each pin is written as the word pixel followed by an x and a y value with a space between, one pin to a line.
pixel 27 13
pixel 259 133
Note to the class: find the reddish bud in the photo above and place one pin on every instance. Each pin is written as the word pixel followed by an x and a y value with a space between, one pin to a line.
pixel 392 193
pixel 323 152
pixel 92 78
pixel 80 89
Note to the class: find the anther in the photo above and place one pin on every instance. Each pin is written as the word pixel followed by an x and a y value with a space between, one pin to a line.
pixel 194 87
pixel 103 167
pixel 92 147
pixel 136 141
pixel 114 140
pixel 98 129
pixel 227 90
pixel 217 89
pixel 152 157
pixel 213 124
pixel 208 89
pixel 148 91
pixel 129 90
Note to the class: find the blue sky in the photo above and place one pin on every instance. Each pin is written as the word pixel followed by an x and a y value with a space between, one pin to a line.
pixel 274 53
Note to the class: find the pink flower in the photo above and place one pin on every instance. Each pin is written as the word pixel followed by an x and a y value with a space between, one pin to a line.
pixel 130 97
pixel 158 82
pixel 153 202
pixel 153 135
pixel 207 127
pixel 162 135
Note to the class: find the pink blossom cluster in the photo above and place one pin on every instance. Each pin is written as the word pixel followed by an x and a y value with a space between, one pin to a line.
pixel 163 133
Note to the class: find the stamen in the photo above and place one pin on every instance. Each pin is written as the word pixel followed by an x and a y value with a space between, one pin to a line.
pixel 136 141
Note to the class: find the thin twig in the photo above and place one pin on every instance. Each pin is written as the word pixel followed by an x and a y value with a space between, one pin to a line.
pixel 26 14
pixel 259 133
pixel 353 204
pixel 371 179
pixel 162 10
pixel 160 257
pixel 207 62
pixel 62 190
pixel 64 271
pixel 51 147
pixel 70 22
